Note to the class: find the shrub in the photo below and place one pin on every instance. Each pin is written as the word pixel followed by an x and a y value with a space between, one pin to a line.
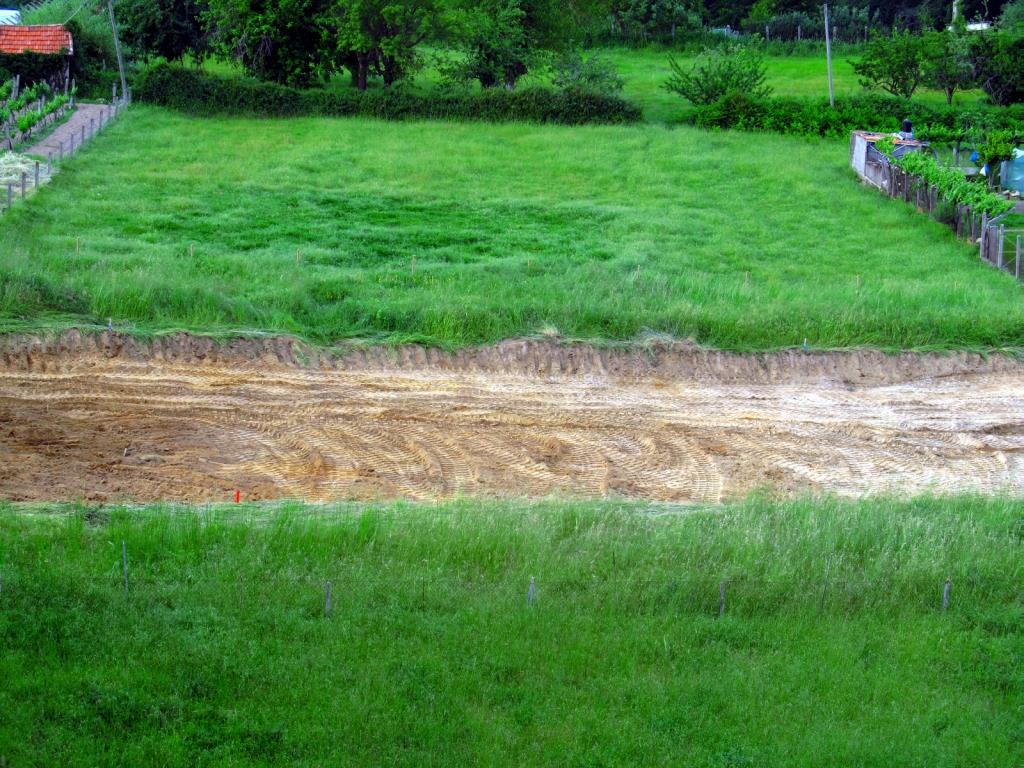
pixel 596 74
pixel 875 112
pixel 718 72
pixel 199 93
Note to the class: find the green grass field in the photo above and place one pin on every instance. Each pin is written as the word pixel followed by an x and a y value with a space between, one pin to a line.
pixel 645 71
pixel 464 234
pixel 833 650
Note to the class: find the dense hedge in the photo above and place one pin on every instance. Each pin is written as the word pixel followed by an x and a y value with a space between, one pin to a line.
pixel 810 117
pixel 199 93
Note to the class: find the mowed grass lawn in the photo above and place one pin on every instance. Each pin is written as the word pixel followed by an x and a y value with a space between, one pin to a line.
pixel 833 650
pixel 461 234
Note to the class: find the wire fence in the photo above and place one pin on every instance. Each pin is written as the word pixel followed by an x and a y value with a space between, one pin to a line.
pixel 997 245
pixel 18 180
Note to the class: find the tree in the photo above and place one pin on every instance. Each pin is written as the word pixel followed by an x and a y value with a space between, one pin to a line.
pixel 893 63
pixel 998 59
pixel 502 40
pixel 286 41
pixel 381 36
pixel 659 20
pixel 947 62
pixel 167 28
pixel 719 72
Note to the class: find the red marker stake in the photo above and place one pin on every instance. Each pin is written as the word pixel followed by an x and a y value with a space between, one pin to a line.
pixel 238 497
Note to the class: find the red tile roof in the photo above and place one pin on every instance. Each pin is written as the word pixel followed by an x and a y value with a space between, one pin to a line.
pixel 43 38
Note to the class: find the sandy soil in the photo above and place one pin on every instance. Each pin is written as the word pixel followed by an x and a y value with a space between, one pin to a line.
pixel 111 418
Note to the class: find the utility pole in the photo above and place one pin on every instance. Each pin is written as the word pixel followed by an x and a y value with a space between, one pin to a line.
pixel 828 56
pixel 117 49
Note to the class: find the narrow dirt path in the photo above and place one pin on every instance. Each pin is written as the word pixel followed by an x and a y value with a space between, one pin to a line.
pixel 110 428
pixel 73 127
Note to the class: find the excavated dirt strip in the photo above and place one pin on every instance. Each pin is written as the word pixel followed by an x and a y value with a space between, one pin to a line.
pixel 108 418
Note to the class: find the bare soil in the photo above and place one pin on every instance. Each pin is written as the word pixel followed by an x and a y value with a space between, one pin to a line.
pixel 114 418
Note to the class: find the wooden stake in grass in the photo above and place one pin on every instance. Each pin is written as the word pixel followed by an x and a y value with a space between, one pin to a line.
pixel 721 599
pixel 78 246
pixel 10 195
pixel 124 563
pixel 298 257
pixel 531 593
pixel 1016 270
pixel 824 586
pixel 414 264
pixel 24 185
pixel 327 599
pixel 945 594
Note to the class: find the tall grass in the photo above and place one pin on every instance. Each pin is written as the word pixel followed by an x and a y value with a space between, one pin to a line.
pixel 464 234
pixel 833 649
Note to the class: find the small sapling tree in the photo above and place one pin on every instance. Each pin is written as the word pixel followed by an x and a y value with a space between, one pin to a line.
pixel 718 72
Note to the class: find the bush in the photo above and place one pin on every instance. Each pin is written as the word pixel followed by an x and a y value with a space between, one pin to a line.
pixel 718 72
pixel 198 93
pixel 874 112
pixel 595 74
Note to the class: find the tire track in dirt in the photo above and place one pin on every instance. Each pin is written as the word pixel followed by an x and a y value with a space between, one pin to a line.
pixel 110 428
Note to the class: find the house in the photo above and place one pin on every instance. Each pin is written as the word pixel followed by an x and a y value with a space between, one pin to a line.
pixel 42 40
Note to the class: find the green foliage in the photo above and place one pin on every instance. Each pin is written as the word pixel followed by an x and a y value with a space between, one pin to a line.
pixel 221 652
pixel 808 117
pixel 953 185
pixel 194 92
pixel 381 36
pixel 498 44
pixel 999 66
pixel 94 63
pixel 662 21
pixel 593 73
pixel 886 145
pixel 514 227
pixel 894 63
pixel 278 40
pixel 948 64
pixel 170 29
pixel 718 72
pixel 1012 19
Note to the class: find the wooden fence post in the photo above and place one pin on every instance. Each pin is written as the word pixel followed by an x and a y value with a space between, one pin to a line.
pixel 49 163
pixel 83 136
pixel 1017 267
pixel 721 599
pixel 10 195
pixel 945 594
pixel 24 184
pixel 1000 244
pixel 37 174
pixel 984 235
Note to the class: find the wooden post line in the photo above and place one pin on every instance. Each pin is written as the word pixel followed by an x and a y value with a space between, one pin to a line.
pixel 721 599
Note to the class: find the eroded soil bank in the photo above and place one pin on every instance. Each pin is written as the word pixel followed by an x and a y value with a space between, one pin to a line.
pixel 111 418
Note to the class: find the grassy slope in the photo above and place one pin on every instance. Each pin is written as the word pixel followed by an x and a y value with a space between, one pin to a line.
pixel 645 71
pixel 221 654
pixel 740 241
